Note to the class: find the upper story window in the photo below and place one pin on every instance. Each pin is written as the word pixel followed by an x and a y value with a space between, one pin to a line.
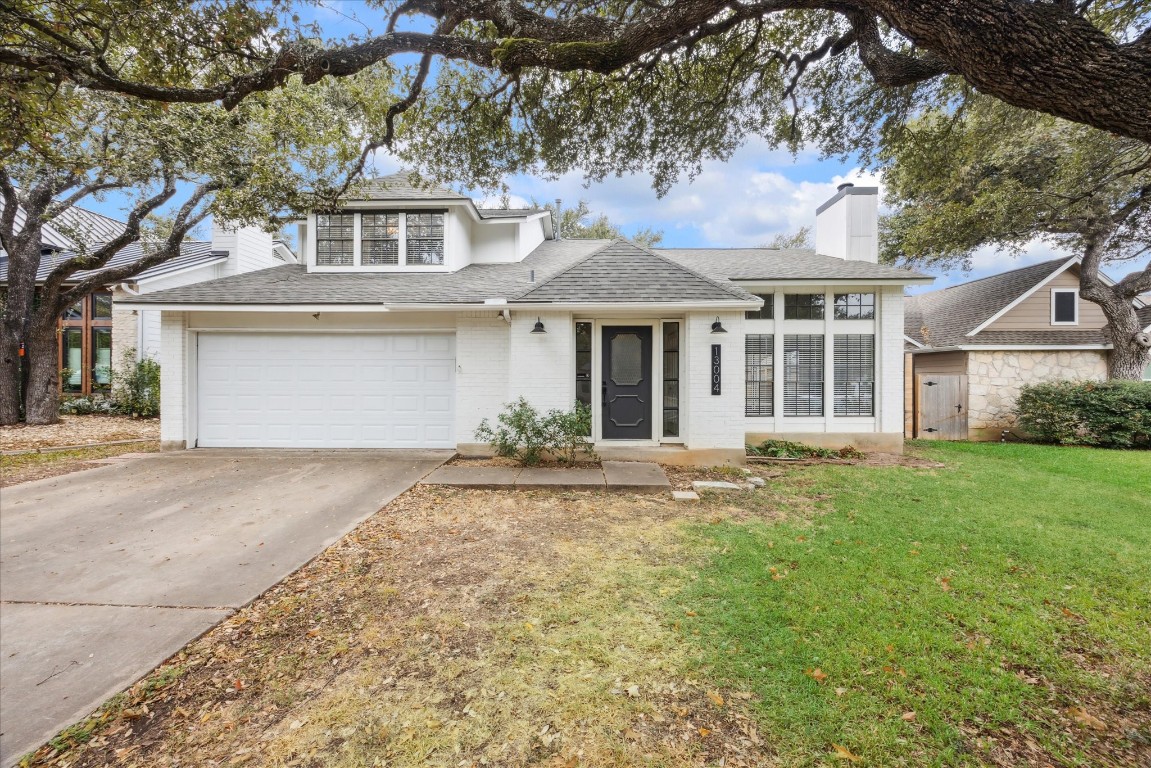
pixel 766 312
pixel 425 241
pixel 855 306
pixel 335 239
pixel 1064 306
pixel 380 238
pixel 803 306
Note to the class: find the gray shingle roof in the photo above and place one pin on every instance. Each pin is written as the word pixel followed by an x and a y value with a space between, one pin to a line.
pixel 1144 316
pixel 780 264
pixel 944 318
pixel 192 253
pixel 508 213
pixel 403 185
pixel 293 284
pixel 624 272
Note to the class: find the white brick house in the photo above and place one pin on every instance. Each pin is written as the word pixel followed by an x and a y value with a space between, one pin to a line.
pixel 416 314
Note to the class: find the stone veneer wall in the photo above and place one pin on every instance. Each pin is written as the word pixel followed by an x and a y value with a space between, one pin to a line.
pixel 995 378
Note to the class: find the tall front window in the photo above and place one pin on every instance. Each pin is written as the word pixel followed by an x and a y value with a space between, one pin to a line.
pixel 759 376
pixel 380 238
pixel 425 239
pixel 72 359
pixel 803 306
pixel 101 358
pixel 583 363
pixel 86 345
pixel 803 375
pixel 671 379
pixel 854 375
pixel 335 239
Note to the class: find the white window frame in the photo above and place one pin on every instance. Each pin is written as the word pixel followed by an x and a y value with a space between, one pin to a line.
pixel 1075 292
pixel 357 264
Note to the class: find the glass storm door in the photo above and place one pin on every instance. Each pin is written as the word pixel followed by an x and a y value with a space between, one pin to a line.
pixel 626 389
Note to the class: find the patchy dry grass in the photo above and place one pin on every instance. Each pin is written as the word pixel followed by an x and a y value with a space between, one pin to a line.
pixel 78 430
pixel 455 627
pixel 25 467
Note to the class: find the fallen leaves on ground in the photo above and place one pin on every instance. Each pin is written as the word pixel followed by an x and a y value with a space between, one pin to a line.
pixel 26 467
pixel 78 430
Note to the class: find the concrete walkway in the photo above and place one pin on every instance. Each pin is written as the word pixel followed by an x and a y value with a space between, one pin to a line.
pixel 107 572
pixel 623 476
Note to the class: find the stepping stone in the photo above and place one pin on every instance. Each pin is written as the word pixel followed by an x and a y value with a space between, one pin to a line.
pixel 758 482
pixel 635 476
pixel 473 477
pixel 560 479
pixel 716 485
pixel 684 496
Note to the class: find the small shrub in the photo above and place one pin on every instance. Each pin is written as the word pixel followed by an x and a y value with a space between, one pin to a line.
pixel 785 449
pixel 1112 414
pixel 525 434
pixel 136 388
pixel 84 406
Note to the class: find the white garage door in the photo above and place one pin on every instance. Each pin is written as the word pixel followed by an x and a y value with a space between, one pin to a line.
pixel 282 390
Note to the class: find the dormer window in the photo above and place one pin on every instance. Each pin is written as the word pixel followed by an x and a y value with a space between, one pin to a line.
pixel 381 238
pixel 1064 307
pixel 425 239
pixel 335 240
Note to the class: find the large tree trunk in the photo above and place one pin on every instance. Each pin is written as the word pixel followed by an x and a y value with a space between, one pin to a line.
pixel 42 397
pixel 1129 353
pixel 24 259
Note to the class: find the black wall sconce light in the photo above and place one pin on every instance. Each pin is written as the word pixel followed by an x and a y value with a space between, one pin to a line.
pixel 539 327
pixel 717 326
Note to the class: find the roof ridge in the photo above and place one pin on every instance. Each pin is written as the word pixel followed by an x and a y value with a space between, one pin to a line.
pixel 570 267
pixel 730 288
pixel 998 275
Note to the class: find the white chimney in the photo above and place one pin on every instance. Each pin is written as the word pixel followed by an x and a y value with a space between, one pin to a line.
pixel 847 225
pixel 249 248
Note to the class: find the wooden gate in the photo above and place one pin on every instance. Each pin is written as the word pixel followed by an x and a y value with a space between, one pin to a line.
pixel 941 407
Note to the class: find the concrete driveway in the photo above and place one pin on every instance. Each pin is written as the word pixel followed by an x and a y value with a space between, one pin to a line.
pixel 105 573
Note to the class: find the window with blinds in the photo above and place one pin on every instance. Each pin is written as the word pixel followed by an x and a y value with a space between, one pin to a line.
pixel 380 238
pixel 766 312
pixel 854 375
pixel 803 375
pixel 759 374
pixel 425 241
pixel 671 379
pixel 335 239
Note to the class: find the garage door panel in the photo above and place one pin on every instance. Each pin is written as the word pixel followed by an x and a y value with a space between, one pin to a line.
pixel 338 391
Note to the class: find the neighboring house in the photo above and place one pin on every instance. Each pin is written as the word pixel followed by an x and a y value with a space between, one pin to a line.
pixel 95 333
pixel 971 347
pixel 416 314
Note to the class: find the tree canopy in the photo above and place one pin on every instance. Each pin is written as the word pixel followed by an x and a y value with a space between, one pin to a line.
pixel 993 175
pixel 609 86
pixel 577 223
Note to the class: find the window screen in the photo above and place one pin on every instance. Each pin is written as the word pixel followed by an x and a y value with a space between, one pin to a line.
pixel 855 306
pixel 380 238
pixel 1064 306
pixel 766 312
pixel 425 239
pixel 855 375
pixel 803 375
pixel 803 306
pixel 759 374
pixel 335 239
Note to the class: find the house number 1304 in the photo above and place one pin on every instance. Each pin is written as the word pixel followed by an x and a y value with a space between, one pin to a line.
pixel 715 378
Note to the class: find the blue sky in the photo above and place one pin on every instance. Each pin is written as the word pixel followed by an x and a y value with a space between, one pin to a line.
pixel 745 201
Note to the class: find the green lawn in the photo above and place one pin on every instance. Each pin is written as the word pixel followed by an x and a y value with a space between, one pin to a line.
pixel 997 599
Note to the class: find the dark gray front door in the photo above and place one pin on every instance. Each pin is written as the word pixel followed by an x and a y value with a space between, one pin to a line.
pixel 626 382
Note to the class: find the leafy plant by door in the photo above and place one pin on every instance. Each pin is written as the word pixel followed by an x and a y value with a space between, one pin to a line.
pixel 524 433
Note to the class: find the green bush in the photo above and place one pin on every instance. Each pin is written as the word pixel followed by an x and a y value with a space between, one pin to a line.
pixel 785 449
pixel 1112 414
pixel 83 406
pixel 136 386
pixel 525 434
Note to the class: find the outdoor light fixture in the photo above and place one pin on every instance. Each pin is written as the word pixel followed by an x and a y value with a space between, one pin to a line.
pixel 717 326
pixel 539 327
